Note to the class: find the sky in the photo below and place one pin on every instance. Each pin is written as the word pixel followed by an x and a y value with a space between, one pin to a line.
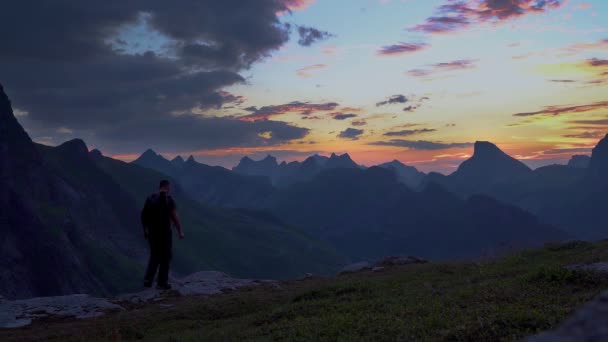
pixel 414 80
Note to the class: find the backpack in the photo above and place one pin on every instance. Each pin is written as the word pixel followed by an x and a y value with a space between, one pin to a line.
pixel 156 214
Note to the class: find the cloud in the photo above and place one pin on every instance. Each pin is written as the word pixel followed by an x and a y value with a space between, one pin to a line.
pixel 393 100
pixel 351 133
pixel 401 48
pixel 558 110
pixel 457 15
pixel 400 99
pixel 358 123
pixel 298 5
pixel 421 144
pixel 93 66
pixel 599 122
pixel 586 135
pixel 311 35
pixel 409 132
pixel 194 132
pixel 461 64
pixel 306 71
pixel 342 116
pixel 302 108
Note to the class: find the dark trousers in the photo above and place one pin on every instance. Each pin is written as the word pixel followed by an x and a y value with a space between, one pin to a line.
pixel 160 257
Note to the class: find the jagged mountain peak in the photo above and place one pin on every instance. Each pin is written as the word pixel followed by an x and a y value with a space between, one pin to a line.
pixel 191 159
pixel 486 148
pixel 75 146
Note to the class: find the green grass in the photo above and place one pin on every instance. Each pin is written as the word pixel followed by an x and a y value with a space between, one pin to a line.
pixel 501 300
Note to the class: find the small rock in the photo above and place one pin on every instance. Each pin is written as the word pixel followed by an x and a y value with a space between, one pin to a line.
pixel 400 260
pixel 356 267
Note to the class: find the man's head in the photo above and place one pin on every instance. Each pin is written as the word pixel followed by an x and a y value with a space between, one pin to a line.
pixel 165 186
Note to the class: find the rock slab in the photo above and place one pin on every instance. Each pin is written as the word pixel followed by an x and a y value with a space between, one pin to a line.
pixel 19 313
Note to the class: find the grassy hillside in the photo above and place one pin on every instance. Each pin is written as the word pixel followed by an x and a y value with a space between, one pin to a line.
pixel 502 300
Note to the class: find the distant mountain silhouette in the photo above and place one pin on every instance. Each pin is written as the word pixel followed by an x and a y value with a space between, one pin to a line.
pixel 212 185
pixel 579 161
pixel 285 174
pixel 408 175
pixel 487 167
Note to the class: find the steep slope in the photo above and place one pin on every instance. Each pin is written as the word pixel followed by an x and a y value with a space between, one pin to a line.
pixel 366 214
pixel 44 250
pixel 244 243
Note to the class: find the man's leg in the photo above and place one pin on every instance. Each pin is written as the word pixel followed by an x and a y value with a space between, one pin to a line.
pixel 153 263
pixel 165 260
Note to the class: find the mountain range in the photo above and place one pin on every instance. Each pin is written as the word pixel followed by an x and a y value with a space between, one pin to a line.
pixel 263 219
pixel 69 224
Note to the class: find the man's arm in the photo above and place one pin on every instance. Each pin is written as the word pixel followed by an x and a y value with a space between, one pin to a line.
pixel 177 223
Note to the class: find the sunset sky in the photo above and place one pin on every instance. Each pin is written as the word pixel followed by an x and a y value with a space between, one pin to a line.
pixel 413 80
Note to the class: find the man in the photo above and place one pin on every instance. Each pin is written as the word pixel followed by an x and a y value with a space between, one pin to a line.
pixel 156 217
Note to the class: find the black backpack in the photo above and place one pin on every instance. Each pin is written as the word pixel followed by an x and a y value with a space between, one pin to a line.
pixel 156 215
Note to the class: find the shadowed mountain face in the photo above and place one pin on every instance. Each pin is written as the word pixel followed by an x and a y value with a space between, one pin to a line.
pixel 571 197
pixel 408 175
pixel 69 223
pixel 367 214
pixel 579 161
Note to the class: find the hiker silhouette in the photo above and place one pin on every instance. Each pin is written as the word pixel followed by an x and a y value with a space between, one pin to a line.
pixel 157 216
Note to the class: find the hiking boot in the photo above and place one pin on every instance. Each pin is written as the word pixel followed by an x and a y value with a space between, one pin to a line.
pixel 163 286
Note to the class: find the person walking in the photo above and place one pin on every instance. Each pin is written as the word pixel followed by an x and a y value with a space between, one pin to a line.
pixel 157 217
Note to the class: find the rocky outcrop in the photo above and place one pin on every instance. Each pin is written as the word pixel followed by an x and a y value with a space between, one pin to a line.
pixel 400 260
pixel 356 267
pixel 590 323
pixel 579 161
pixel 19 313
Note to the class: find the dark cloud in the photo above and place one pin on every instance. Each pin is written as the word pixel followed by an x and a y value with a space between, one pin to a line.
pixel 586 135
pixel 393 100
pixel 558 110
pixel 311 35
pixel 401 48
pixel 562 81
pixel 568 150
pixel 461 64
pixel 360 122
pixel 342 116
pixel 457 15
pixel 421 144
pixel 74 64
pixel 409 132
pixel 596 62
pixel 302 108
pixel 351 133
pixel 193 132
pixel 598 122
